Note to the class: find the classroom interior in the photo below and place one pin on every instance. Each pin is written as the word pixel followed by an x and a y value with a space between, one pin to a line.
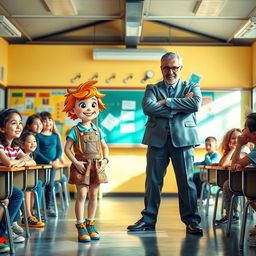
pixel 34 77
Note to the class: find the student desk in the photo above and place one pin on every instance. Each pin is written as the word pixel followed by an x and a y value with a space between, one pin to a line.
pixel 213 176
pixel 22 178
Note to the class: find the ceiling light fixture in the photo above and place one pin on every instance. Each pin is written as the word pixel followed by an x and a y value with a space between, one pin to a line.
pixel 61 8
pixel 7 29
pixel 209 7
pixel 248 30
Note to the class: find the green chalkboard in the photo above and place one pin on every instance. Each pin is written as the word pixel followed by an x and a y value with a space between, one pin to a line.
pixel 123 121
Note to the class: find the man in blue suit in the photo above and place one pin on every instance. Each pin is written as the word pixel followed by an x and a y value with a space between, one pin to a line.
pixel 170 134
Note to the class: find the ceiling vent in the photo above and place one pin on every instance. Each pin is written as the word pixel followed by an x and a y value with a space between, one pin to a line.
pixel 7 29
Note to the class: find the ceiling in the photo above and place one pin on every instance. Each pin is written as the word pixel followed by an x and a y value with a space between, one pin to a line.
pixel 130 23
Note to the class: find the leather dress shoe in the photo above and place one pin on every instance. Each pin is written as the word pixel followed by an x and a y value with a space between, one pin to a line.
pixel 141 226
pixel 194 229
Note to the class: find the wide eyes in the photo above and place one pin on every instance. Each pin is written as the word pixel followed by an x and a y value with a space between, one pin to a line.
pixel 94 104
pixel 82 105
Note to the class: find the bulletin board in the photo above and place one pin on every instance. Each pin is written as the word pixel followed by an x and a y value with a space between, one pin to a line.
pixel 123 121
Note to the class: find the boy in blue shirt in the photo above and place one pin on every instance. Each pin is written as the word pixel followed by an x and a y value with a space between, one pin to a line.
pixel 211 157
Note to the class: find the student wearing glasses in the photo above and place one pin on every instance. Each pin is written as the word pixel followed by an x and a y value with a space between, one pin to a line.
pixel 170 135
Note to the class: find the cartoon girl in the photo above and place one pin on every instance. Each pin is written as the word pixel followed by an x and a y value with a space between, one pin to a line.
pixel 90 154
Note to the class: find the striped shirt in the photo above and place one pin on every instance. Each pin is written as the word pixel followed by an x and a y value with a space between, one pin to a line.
pixel 11 153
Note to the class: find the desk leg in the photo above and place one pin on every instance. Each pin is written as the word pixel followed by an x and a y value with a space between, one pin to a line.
pixel 231 210
pixel 216 206
pixel 44 204
pixel 37 206
pixel 55 201
pixel 243 225
pixel 25 218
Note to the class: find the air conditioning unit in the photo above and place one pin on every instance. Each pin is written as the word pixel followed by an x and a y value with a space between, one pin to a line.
pixel 7 29
pixel 127 54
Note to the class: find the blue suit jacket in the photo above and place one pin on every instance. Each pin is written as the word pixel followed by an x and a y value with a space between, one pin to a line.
pixel 160 117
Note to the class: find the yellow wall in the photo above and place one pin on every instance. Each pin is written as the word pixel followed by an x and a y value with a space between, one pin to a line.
pixel 3 61
pixel 55 65
pixel 254 64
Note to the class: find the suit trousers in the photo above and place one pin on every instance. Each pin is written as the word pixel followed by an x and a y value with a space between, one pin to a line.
pixel 157 162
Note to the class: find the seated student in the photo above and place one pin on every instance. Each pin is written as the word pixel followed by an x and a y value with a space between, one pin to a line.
pixel 11 155
pixel 34 124
pixel 248 135
pixel 48 151
pixel 211 157
pixel 228 146
pixel 28 145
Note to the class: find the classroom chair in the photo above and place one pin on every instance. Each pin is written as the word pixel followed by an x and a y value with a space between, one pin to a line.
pixel 249 191
pixel 217 175
pixel 235 185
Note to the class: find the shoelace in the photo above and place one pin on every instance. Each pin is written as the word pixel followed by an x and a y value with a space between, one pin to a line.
pixel 82 229
pixel 2 240
pixel 91 229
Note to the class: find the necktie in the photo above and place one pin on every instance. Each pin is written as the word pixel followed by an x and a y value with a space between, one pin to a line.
pixel 171 91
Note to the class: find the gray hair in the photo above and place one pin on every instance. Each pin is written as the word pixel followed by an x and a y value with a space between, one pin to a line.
pixel 172 55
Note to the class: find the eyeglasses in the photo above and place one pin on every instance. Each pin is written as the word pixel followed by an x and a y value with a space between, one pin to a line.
pixel 168 69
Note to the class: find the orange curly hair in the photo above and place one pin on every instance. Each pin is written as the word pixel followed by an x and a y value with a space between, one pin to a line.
pixel 84 91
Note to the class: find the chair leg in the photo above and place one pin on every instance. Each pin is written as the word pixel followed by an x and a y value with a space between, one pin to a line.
pixel 208 198
pixel 66 193
pixel 61 197
pixel 55 201
pixel 37 206
pixel 8 226
pixel 243 225
pixel 216 205
pixel 25 218
pixel 231 210
pixel 44 205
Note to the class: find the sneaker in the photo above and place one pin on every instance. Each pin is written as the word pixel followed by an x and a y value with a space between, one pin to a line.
pixel 17 239
pixel 17 229
pixel 92 230
pixel 42 217
pixel 83 235
pixel 33 222
pixel 4 247
pixel 224 220
pixel 51 213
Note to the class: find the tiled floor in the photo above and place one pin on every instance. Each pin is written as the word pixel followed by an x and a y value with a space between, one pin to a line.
pixel 114 214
